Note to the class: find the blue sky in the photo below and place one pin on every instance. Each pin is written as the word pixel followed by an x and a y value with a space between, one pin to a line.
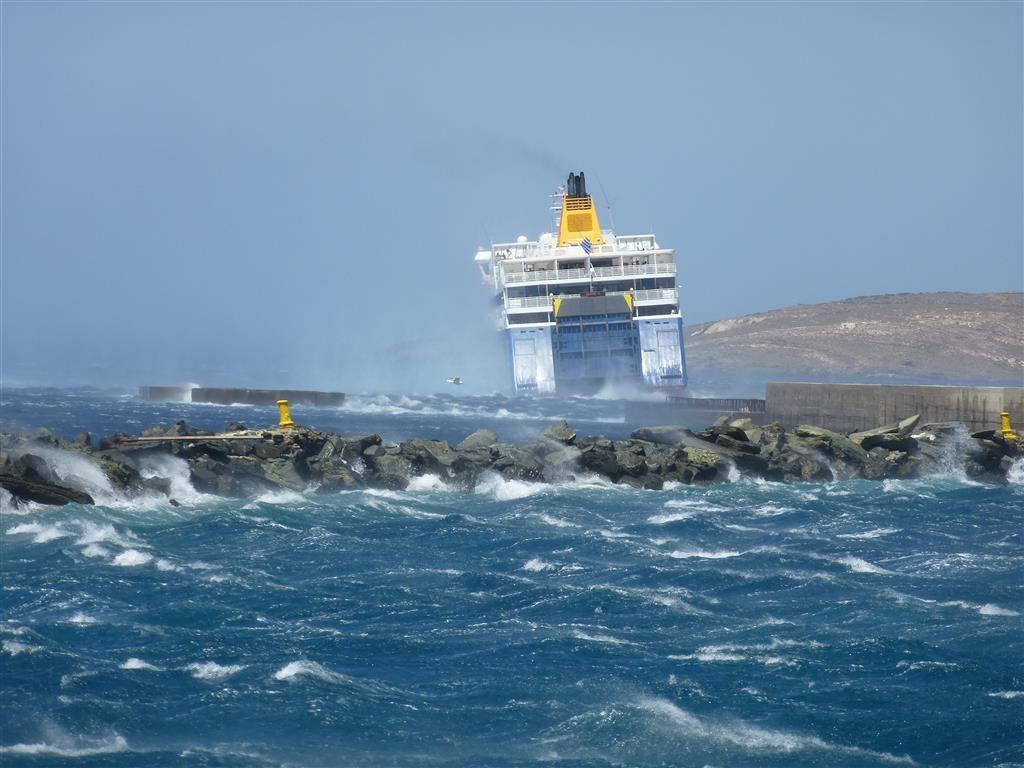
pixel 291 194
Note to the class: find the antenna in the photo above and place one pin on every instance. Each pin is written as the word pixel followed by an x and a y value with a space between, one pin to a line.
pixel 608 205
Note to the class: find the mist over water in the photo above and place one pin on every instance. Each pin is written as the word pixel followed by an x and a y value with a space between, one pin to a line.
pixel 750 623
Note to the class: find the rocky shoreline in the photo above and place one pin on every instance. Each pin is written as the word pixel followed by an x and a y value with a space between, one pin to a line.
pixel 242 462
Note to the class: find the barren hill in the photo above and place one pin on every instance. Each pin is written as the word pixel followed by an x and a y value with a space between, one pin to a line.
pixel 906 338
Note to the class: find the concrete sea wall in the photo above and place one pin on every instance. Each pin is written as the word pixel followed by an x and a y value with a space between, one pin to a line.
pixel 854 407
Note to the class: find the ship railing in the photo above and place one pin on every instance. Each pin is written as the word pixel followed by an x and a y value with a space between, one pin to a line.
pixel 542 275
pixel 656 296
pixel 527 303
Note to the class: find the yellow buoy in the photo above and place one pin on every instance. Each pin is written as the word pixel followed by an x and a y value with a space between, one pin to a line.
pixel 1005 427
pixel 285 420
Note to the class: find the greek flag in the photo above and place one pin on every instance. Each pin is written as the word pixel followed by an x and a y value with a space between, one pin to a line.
pixel 586 245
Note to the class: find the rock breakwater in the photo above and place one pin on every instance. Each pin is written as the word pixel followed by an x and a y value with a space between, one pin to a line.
pixel 242 462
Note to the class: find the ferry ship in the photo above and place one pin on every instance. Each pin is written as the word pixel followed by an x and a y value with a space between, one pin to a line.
pixel 585 309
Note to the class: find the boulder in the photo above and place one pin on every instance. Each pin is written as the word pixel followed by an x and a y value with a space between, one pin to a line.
pixel 388 469
pixel 906 425
pixel 514 463
pixel 42 492
pixel 482 438
pixel 833 444
pixel 882 464
pixel 119 470
pixel 663 435
pixel 711 434
pixel 32 468
pixel 428 457
pixel 745 424
pixel 737 445
pixel 83 442
pixel 288 471
pixel 891 441
pixel 560 432
pixel 597 455
pixel 629 456
pixel 468 465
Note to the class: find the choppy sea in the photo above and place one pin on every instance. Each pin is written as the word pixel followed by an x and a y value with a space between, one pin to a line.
pixel 746 624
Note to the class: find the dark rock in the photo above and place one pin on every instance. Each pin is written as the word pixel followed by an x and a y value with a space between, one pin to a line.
pixel 118 469
pixel 892 441
pixel 597 455
pixel 41 492
pixel 174 502
pixel 560 432
pixel 833 444
pixel 236 426
pixel 82 442
pixel 737 445
pixel 663 435
pixel 482 438
pixel 514 463
pixel 713 433
pixel 629 456
pixel 882 464
pixel 32 468
pixel 389 470
pixel 428 457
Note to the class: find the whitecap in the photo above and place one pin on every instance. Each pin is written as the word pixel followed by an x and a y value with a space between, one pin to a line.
pixel 93 533
pixel 303 668
pixel 426 483
pixel 95 550
pixel 134 663
pixel 115 743
pixel 557 522
pixel 280 497
pixel 874 533
pixel 132 557
pixel 1015 475
pixel 1007 694
pixel 211 670
pixel 536 565
pixel 752 737
pixel 14 648
pixel 43 533
pixel 83 619
pixel 720 554
pixel 857 565
pixel 608 639
pixel 991 609
pixel 772 510
pixel 671 517
pixel 493 484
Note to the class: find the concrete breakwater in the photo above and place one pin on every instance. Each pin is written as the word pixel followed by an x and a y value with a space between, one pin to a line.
pixel 245 396
pixel 843 407
pixel 245 462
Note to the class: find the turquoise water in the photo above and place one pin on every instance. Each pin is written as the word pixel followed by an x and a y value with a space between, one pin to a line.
pixel 852 624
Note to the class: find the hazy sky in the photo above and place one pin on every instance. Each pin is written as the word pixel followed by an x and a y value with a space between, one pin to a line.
pixel 291 194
